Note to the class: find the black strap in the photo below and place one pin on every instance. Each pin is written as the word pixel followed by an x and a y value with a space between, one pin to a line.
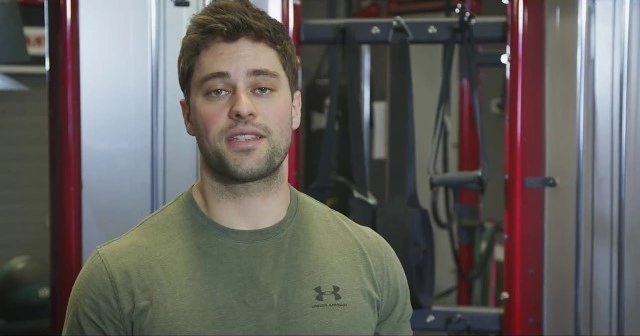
pixel 401 220
pixel 444 99
pixel 470 55
pixel 468 180
pixel 344 187
pixel 439 139
pixel 328 150
pixel 401 157
pixel 363 203
pixel 355 115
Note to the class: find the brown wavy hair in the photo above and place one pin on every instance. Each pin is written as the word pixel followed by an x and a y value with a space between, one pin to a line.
pixel 230 20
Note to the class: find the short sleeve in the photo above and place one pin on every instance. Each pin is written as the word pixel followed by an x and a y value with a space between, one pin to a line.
pixel 93 307
pixel 395 313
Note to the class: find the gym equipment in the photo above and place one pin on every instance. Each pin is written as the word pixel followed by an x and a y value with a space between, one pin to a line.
pixel 362 203
pixel 24 289
pixel 337 190
pixel 328 188
pixel 446 182
pixel 467 180
pixel 377 31
pixel 401 220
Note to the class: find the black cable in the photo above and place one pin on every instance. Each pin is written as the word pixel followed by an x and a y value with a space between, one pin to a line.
pixel 440 138
pixel 468 51
pixel 478 270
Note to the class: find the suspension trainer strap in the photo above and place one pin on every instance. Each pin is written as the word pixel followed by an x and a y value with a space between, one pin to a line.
pixel 464 180
pixel 321 187
pixel 362 203
pixel 401 220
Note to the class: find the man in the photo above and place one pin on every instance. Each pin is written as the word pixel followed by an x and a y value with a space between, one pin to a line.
pixel 241 252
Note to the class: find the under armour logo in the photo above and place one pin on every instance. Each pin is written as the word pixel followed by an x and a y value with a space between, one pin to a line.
pixel 322 294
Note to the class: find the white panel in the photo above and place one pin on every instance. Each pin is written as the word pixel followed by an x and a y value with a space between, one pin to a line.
pixel 631 230
pixel 177 159
pixel 115 117
pixel 606 177
pixel 561 47
pixel 584 169
pixel 606 224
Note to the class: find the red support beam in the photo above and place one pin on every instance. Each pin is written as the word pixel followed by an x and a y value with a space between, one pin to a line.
pixel 524 158
pixel 468 160
pixel 64 154
pixel 291 18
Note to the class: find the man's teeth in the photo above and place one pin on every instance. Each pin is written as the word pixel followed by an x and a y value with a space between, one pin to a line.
pixel 245 137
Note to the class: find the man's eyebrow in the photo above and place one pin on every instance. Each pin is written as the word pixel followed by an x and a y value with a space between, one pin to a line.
pixel 212 76
pixel 263 73
pixel 225 75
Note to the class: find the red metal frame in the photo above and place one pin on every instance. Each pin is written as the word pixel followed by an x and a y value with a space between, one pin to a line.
pixel 294 27
pixel 64 154
pixel 395 7
pixel 32 3
pixel 468 160
pixel 524 157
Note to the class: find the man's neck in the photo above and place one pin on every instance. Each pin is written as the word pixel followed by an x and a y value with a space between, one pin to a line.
pixel 247 206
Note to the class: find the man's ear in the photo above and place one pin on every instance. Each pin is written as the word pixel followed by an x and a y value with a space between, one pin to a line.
pixel 296 108
pixel 186 116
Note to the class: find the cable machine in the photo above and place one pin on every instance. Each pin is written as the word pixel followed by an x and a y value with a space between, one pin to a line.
pixel 522 269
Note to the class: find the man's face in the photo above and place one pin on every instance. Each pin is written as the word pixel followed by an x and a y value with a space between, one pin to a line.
pixel 241 111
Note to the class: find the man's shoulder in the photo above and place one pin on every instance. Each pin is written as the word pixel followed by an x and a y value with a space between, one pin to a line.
pixel 152 232
pixel 338 224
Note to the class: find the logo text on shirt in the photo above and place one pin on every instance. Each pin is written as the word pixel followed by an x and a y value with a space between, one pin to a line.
pixel 331 296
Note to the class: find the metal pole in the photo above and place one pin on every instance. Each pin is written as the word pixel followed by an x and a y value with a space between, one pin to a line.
pixel 291 18
pixel 524 158
pixel 468 160
pixel 64 154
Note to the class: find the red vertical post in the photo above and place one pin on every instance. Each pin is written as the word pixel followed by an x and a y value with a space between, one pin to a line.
pixel 64 154
pixel 524 158
pixel 468 159
pixel 291 18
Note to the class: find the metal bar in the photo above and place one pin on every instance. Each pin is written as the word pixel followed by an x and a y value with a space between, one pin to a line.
pixel 157 129
pixel 630 231
pixel 365 57
pixel 424 30
pixel 291 17
pixel 468 320
pixel 585 90
pixel 630 293
pixel 524 156
pixel 619 323
pixel 64 154
pixel 489 59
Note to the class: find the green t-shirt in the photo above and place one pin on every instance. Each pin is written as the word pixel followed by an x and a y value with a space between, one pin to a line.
pixel 178 272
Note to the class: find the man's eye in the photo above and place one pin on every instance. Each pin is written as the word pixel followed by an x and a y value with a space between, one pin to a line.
pixel 263 90
pixel 218 92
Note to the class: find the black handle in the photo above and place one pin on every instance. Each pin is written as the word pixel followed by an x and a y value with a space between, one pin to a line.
pixel 181 3
pixel 466 180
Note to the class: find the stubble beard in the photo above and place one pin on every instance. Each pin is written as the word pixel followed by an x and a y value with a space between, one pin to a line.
pixel 266 168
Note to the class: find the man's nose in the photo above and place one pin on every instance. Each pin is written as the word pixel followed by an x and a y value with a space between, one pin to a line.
pixel 242 106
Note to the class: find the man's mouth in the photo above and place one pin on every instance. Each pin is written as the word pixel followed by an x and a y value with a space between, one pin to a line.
pixel 246 137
